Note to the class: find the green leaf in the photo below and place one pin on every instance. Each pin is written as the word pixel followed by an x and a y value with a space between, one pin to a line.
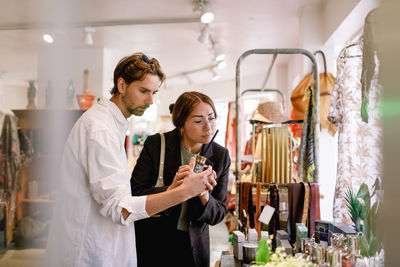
pixel 360 205
pixel 355 209
pixel 262 254
pixel 364 246
pixel 363 193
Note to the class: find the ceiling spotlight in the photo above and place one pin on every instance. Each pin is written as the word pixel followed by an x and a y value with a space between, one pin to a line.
pixel 88 40
pixel 222 65
pixel 188 79
pixel 204 37
pixel 215 75
pixel 206 17
pixel 220 56
pixel 48 38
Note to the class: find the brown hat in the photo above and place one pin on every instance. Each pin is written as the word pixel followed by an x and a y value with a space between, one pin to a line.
pixel 270 112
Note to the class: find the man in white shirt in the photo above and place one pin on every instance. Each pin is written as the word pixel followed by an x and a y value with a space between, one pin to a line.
pixel 94 213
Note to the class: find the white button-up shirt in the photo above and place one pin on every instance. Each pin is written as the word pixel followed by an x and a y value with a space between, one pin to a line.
pixel 88 228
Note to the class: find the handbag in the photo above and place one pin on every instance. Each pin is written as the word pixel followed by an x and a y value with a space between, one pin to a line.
pixel 160 180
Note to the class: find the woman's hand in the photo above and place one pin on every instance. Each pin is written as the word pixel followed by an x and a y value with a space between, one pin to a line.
pixel 204 197
pixel 182 172
pixel 196 183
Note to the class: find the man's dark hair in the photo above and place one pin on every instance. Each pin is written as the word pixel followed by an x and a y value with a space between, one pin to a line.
pixel 134 68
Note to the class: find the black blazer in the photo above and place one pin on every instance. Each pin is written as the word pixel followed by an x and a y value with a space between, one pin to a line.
pixel 144 177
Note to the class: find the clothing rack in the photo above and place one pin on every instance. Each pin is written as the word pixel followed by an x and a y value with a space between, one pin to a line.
pixel 239 93
pixel 302 205
pixel 324 60
pixel 257 201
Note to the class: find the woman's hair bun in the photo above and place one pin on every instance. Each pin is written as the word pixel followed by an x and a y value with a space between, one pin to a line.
pixel 171 107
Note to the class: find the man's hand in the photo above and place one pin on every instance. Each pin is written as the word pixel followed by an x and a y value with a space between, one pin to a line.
pixel 182 172
pixel 125 213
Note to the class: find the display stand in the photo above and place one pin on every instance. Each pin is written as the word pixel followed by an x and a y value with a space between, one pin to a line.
pixel 283 176
pixel 238 95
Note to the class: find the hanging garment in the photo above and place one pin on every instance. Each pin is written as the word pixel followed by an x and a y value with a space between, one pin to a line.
pixel 10 166
pixel 25 147
pixel 296 128
pixel 230 136
pixel 245 188
pixel 359 144
pixel 274 148
pixel 250 208
pixel 307 168
pixel 296 204
pixel 300 97
pixel 314 207
pixel 257 224
pixel 306 205
pixel 370 60
pixel 273 225
pixel 10 159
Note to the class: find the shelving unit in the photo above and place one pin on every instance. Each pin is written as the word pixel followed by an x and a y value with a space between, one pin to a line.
pixel 48 130
pixel 37 200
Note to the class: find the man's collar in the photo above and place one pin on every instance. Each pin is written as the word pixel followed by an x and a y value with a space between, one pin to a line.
pixel 121 121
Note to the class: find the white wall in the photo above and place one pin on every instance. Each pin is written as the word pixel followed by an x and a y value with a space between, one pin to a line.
pixel 108 73
pixel 13 95
pixel 61 64
pixel 329 26
pixel 14 84
pixel 334 13
pixel 223 90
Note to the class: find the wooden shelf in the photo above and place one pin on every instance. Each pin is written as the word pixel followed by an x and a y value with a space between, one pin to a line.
pixel 47 129
pixel 37 200
pixel 47 118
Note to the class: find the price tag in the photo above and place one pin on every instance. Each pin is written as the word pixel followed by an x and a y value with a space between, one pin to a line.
pixel 266 214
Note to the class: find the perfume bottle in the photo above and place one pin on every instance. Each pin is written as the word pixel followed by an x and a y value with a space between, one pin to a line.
pixel 200 163
pixel 348 260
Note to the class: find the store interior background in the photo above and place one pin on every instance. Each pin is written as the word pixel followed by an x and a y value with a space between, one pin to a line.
pixel 169 31
pixel 238 26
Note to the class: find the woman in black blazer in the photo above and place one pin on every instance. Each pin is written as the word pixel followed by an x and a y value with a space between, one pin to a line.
pixel 179 236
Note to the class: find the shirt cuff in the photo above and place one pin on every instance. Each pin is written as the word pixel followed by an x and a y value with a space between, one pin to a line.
pixel 136 206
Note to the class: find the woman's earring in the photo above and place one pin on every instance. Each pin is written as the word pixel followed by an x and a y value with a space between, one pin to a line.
pixel 181 132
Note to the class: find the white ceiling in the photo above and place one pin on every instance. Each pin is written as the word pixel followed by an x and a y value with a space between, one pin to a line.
pixel 238 26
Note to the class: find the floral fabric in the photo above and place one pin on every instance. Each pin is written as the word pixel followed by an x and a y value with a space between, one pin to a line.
pixel 10 166
pixel 359 147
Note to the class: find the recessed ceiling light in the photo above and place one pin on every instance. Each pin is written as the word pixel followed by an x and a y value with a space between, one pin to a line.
pixel 48 38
